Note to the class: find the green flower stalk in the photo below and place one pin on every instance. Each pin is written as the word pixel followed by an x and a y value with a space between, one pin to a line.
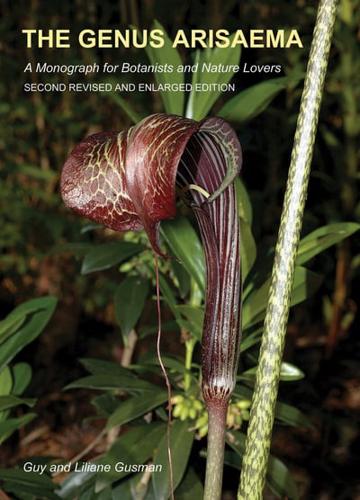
pixel 263 406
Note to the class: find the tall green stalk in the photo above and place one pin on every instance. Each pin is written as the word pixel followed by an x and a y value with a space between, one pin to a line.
pixel 263 406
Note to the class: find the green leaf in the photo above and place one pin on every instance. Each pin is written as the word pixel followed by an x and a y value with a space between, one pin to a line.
pixel 105 494
pixel 173 99
pixel 247 249
pixel 17 317
pixel 254 307
pixel 247 241
pixel 186 246
pixel 105 404
pixel 280 481
pixel 12 424
pixel 9 326
pixel 112 382
pixel 6 381
pixel 129 301
pixel 169 296
pixel 243 201
pixel 182 277
pixel 10 401
pixel 29 330
pixel 21 373
pixel 102 367
pixel 195 318
pixel 6 384
pixel 125 488
pixel 136 446
pixel 243 392
pixel 175 364
pixel 251 339
pixel 134 407
pixel 278 476
pixel 252 101
pixel 291 415
pixel 166 326
pixel 232 459
pixel 74 483
pixel 91 226
pixel 287 414
pixel 28 492
pixel 190 487
pixel 322 238
pixel 306 283
pixel 89 494
pixel 125 105
pixel 290 372
pixel 181 440
pixel 21 477
pixel 200 103
pixel 107 255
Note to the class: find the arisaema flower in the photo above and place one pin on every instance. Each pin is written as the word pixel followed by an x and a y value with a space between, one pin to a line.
pixel 129 180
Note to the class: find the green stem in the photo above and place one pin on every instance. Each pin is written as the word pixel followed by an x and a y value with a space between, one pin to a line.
pixel 189 349
pixel 267 380
pixel 215 451
pixel 195 301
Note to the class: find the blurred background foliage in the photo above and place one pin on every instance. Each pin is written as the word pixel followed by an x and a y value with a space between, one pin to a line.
pixel 47 251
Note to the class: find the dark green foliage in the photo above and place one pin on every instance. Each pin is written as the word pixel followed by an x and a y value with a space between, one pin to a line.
pixel 18 329
pixel 129 301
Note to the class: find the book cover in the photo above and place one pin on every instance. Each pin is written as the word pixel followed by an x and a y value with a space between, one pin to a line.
pixel 150 152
